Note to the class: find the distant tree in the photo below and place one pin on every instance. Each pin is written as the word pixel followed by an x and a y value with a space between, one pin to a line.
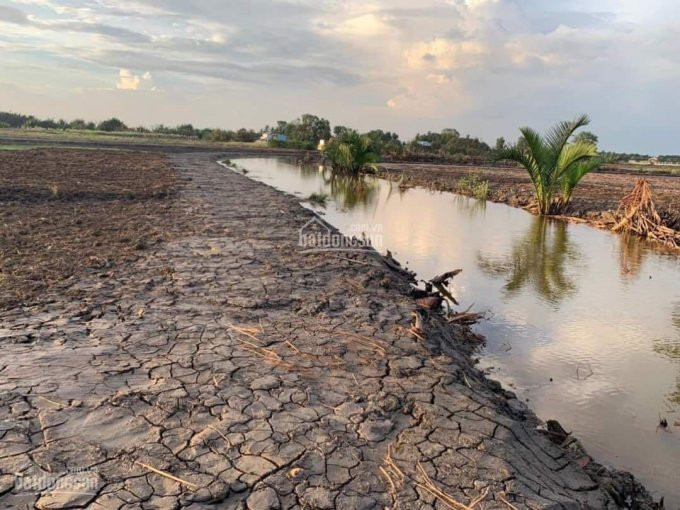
pixel 185 130
pixel 246 135
pixel 500 144
pixel 449 143
pixel 33 122
pixel 386 143
pixel 587 137
pixel 522 145
pixel 218 135
pixel 14 120
pixel 339 130
pixel 112 124
pixel 77 124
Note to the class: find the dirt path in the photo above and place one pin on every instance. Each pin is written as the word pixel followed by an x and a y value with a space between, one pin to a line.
pixel 597 196
pixel 262 379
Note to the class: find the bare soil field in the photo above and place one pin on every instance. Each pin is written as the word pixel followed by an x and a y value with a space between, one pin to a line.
pixel 596 197
pixel 64 212
pixel 226 369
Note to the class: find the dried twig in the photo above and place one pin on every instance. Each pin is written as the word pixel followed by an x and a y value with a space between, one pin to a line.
pixel 430 487
pixel 640 216
pixel 290 344
pixel 267 354
pixel 221 434
pixel 354 260
pixel 192 486
pixel 389 479
pixel 479 498
pixel 378 346
pixel 52 401
pixel 465 317
pixel 501 496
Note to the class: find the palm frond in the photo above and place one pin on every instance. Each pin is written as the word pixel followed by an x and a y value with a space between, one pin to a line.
pixel 575 173
pixel 558 136
pixel 537 155
pixel 574 153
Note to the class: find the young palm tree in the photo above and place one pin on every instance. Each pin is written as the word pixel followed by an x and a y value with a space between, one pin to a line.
pixel 554 165
pixel 351 153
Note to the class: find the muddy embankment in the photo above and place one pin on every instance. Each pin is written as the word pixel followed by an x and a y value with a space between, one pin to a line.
pixel 595 200
pixel 223 366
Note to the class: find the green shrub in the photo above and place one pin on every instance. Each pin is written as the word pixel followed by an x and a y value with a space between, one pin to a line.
pixel 351 153
pixel 472 185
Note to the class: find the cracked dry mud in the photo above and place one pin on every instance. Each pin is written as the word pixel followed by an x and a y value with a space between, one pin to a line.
pixel 260 377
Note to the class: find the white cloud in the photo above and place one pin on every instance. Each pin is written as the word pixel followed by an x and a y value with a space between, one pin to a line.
pixel 398 64
pixel 364 25
pixel 438 78
pixel 127 80
pixel 445 54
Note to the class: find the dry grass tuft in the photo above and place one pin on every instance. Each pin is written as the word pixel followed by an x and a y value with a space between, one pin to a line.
pixel 269 355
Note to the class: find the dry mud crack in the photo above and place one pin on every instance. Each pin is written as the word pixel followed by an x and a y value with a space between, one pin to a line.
pixel 226 369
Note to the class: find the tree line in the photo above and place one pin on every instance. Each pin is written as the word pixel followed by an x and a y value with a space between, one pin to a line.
pixel 305 132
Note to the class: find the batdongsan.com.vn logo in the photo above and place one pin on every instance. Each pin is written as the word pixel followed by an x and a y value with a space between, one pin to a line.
pixel 73 481
pixel 316 235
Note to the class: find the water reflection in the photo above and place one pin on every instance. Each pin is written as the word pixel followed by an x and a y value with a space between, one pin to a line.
pixel 564 312
pixel 671 350
pixel 540 259
pixel 351 190
pixel 471 207
pixel 631 255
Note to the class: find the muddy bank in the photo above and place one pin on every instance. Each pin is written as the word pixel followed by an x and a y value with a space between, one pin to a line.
pixel 595 200
pixel 225 367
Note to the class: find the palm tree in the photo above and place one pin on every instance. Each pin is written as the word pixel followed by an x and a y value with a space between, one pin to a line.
pixel 554 165
pixel 351 153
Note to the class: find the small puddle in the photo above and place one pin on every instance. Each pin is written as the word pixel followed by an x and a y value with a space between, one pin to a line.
pixel 583 324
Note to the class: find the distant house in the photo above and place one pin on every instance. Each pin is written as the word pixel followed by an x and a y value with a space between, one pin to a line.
pixel 278 137
pixel 423 143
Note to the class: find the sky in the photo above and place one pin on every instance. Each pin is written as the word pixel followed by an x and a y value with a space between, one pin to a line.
pixel 484 67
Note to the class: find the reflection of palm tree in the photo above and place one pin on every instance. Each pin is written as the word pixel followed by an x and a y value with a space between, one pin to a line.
pixel 538 259
pixel 309 171
pixel 671 350
pixel 351 190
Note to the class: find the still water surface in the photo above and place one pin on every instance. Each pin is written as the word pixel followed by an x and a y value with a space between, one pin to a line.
pixel 583 324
